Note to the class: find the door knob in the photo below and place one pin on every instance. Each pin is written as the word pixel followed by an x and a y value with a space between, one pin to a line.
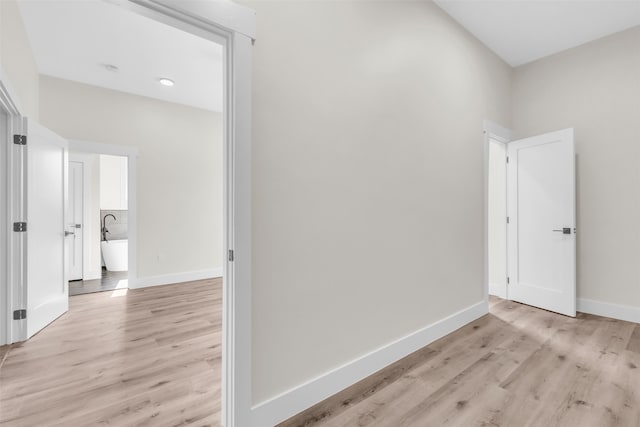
pixel 565 230
pixel 69 233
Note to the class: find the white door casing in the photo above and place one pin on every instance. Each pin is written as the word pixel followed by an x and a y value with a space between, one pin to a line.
pixel 497 218
pixel 233 26
pixel 14 249
pixel 541 232
pixel 47 293
pixel 4 229
pixel 75 220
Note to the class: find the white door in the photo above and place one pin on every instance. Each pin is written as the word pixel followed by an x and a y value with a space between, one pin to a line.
pixel 74 221
pixel 47 293
pixel 542 241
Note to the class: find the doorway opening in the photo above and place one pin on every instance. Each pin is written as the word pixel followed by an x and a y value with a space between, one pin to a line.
pixel 97 223
pixel 530 246
pixel 496 220
pixel 232 27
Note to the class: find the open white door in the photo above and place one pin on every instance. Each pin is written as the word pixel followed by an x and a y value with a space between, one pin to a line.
pixel 542 242
pixel 47 293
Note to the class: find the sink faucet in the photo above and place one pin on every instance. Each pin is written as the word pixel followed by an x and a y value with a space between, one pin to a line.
pixel 104 223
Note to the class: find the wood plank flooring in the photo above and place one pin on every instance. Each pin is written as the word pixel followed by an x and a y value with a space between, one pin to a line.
pixel 518 366
pixel 152 358
pixel 149 358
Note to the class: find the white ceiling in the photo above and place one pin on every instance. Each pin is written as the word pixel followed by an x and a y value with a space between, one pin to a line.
pixel 521 31
pixel 74 39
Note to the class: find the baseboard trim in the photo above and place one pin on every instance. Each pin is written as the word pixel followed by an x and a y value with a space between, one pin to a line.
pixel 169 279
pixel 606 309
pixel 296 400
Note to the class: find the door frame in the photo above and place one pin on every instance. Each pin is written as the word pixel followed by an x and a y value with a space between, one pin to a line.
pixel 11 162
pixel 233 26
pixel 498 289
pixel 4 143
pixel 131 153
pixel 501 134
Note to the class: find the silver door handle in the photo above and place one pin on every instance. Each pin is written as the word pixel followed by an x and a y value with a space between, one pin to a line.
pixel 565 230
pixel 69 233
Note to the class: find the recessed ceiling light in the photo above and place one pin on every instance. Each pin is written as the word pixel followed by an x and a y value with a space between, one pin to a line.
pixel 166 82
pixel 111 67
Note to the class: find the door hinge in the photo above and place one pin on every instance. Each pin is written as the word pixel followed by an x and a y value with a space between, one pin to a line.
pixel 231 256
pixel 507 220
pixel 20 139
pixel 507 159
pixel 19 227
pixel 19 314
pixel 507 280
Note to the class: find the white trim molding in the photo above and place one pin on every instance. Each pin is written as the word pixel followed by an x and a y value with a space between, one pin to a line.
pixel 9 100
pixel 496 131
pixel 296 400
pixel 607 309
pixel 229 15
pixel 11 281
pixel 171 279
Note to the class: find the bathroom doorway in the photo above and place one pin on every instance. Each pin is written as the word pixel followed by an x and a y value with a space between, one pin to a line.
pixel 98 228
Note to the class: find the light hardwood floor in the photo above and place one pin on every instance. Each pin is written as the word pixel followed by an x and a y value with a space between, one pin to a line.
pixel 518 366
pixel 150 358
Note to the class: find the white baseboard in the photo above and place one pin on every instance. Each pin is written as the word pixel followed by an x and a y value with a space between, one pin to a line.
pixel 296 400
pixel 169 279
pixel 615 311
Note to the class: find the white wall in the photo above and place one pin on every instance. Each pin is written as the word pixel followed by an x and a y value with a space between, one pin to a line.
pixel 179 169
pixel 367 179
pixel 17 58
pixel 91 260
pixel 113 182
pixel 497 213
pixel 595 88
